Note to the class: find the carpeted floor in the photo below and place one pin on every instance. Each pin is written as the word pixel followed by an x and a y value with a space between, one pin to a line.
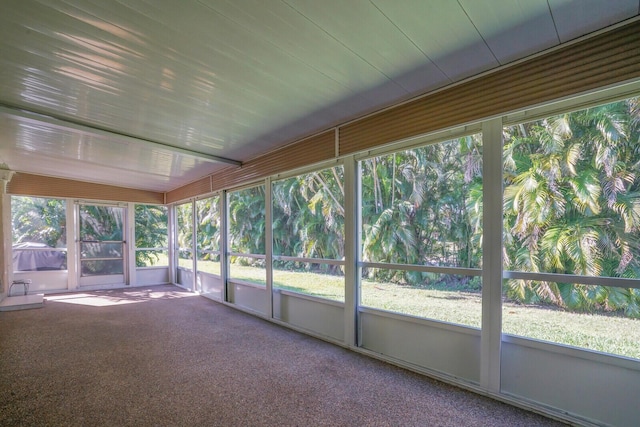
pixel 161 356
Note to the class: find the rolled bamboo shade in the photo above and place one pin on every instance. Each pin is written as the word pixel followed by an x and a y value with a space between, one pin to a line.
pixel 24 184
pixel 609 58
pixel 196 188
pixel 307 152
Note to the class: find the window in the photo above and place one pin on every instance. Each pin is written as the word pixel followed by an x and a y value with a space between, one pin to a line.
pixel 151 236
pixel 184 235
pixel 247 235
pixel 38 234
pixel 421 231
pixel 208 234
pixel 102 240
pixel 308 233
pixel 572 228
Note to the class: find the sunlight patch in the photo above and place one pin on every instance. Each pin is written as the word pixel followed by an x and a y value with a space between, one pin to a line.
pixel 120 298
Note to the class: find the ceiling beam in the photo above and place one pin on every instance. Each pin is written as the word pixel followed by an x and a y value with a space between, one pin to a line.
pixel 77 126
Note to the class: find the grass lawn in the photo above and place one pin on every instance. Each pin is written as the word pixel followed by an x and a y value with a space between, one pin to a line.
pixel 609 334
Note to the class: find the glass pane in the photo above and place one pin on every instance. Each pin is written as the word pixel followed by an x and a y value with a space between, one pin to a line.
pixel 308 215
pixel 35 257
pixel 208 224
pixel 101 267
pixel 571 197
pixel 572 191
pixel 248 269
pixel 151 226
pixel 209 262
pixel 184 238
pixel 424 206
pixel 152 258
pixel 38 225
pixel 100 250
pixel 39 220
pixel 185 259
pixel 444 297
pixel 101 223
pixel 247 221
pixel 321 280
pixel 594 329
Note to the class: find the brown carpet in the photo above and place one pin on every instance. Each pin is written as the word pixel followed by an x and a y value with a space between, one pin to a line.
pixel 160 356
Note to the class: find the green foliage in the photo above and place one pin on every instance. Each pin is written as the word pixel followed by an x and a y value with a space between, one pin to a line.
pixel 39 220
pixel 101 236
pixel 572 205
pixel 151 232
pixel 308 219
pixel 247 220
pixel 423 206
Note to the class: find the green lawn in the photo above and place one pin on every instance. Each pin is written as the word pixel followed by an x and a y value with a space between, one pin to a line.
pixel 609 334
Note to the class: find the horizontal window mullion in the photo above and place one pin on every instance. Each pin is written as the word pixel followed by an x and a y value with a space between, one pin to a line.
pixel 40 249
pixel 424 268
pixel 309 260
pixel 616 282
pixel 256 256
pixel 102 259
pixel 152 249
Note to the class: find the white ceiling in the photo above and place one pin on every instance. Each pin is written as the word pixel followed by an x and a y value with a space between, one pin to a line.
pixel 149 94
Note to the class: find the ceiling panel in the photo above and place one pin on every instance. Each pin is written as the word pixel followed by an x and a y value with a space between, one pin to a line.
pixel 36 147
pixel 367 33
pixel 444 32
pixel 576 18
pixel 121 82
pixel 513 29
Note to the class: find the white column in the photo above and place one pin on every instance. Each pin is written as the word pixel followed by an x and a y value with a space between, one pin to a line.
pixel 268 244
pixel 131 278
pixel 224 259
pixel 351 249
pixel 194 247
pixel 171 241
pixel 5 232
pixel 73 263
pixel 491 336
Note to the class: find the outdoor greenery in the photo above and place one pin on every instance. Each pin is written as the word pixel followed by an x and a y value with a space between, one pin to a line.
pixel 151 234
pixel 208 228
pixel 39 220
pixel 572 206
pixel 308 213
pixel 101 237
pixel 424 207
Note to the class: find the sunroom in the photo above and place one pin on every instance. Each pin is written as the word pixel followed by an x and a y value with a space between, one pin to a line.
pixel 484 233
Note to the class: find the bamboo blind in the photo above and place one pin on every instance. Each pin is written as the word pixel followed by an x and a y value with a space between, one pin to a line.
pixel 309 151
pixel 196 188
pixel 24 184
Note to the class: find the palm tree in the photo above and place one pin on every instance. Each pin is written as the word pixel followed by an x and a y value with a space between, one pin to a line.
pixel 184 225
pixel 208 228
pixel 308 217
pixel 151 232
pixel 247 220
pixel 417 208
pixel 572 205
pixel 38 220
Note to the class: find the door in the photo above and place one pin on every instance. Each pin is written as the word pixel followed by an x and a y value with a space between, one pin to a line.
pixel 102 248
